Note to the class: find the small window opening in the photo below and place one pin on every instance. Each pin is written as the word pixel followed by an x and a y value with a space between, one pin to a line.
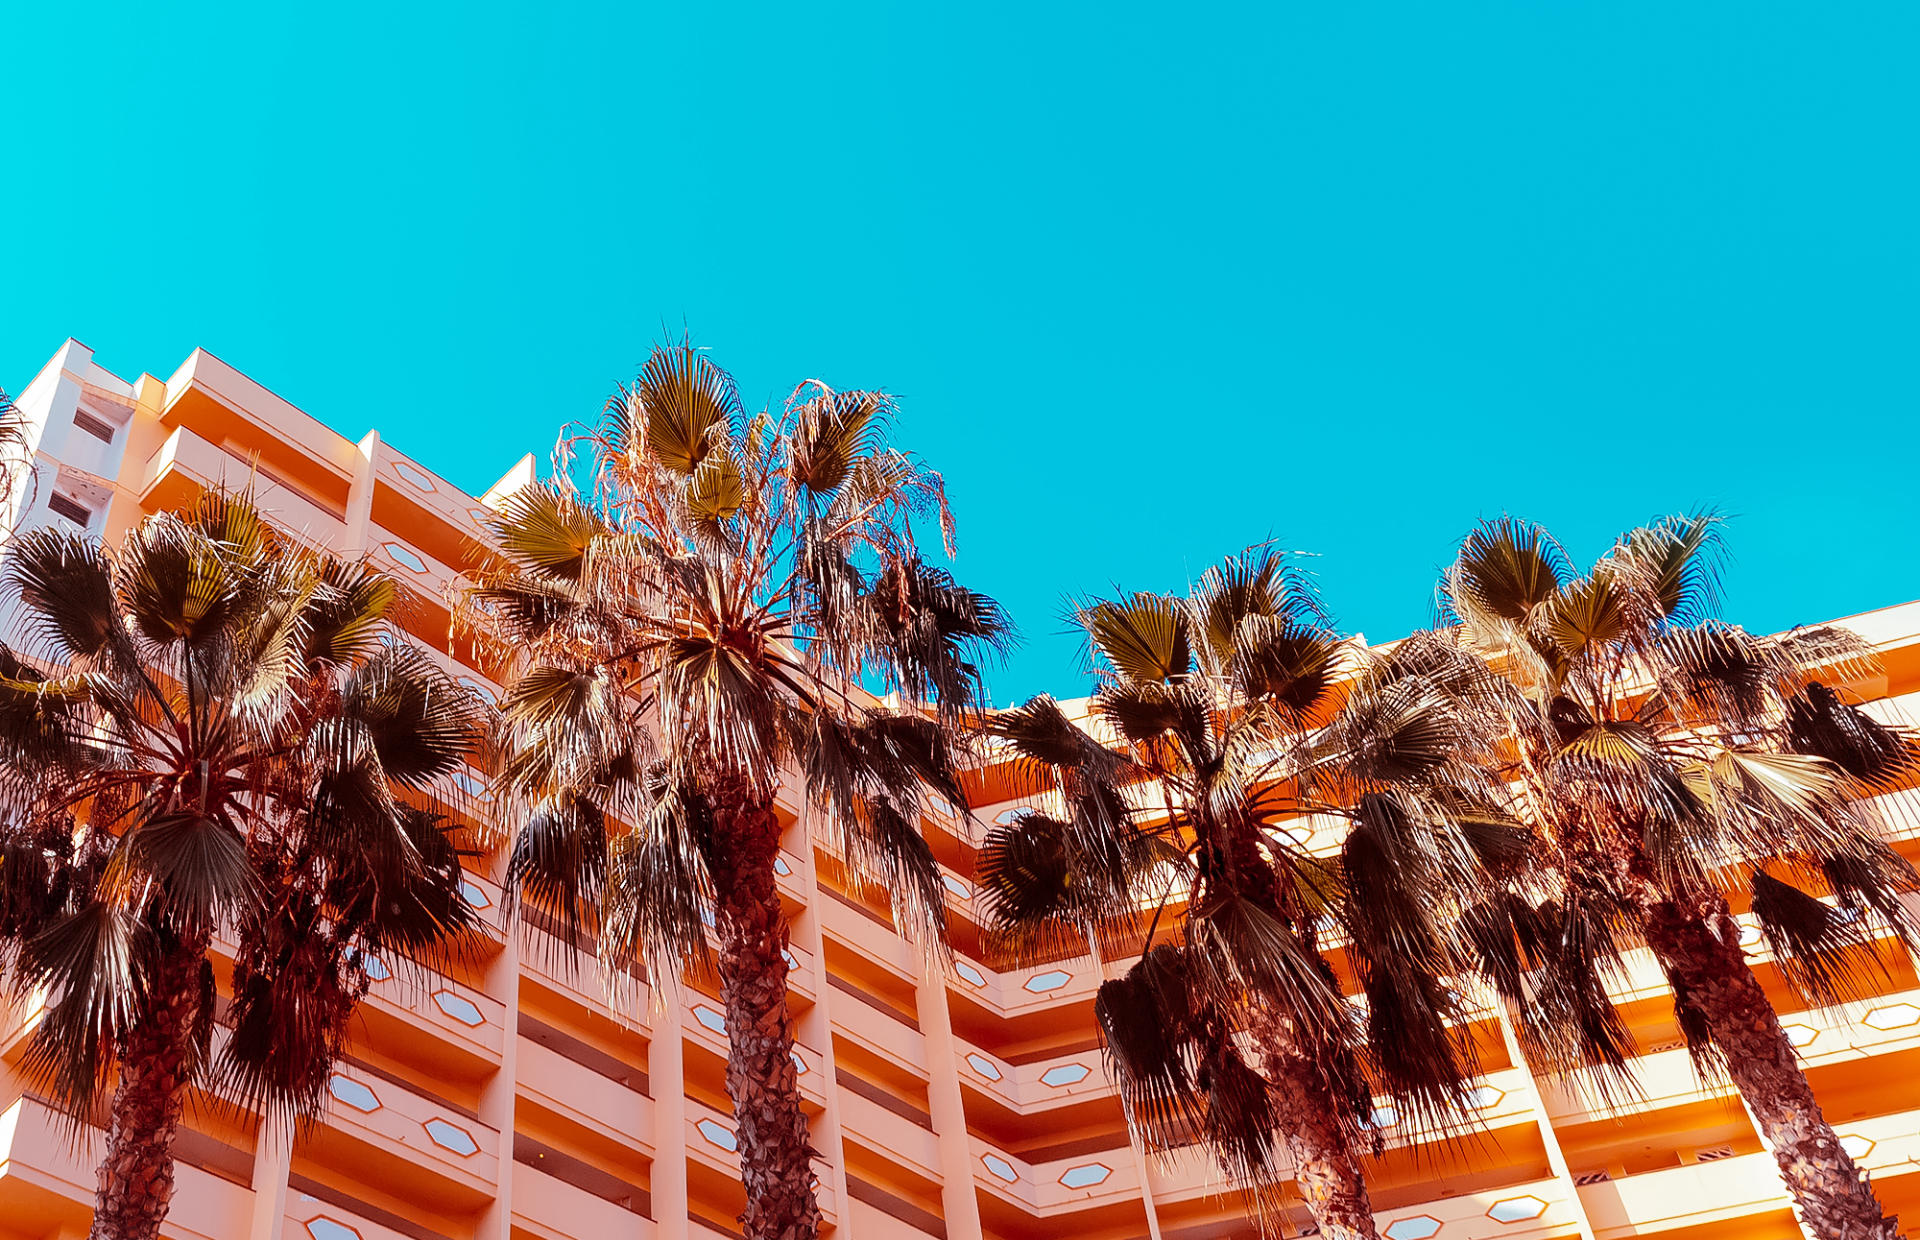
pixel 99 428
pixel 72 510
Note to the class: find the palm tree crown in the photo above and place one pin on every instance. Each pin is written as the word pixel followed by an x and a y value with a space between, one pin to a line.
pixel 1227 720
pixel 1662 758
pixel 714 615
pixel 207 736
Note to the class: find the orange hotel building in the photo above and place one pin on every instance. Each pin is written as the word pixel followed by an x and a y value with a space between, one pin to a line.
pixel 509 1103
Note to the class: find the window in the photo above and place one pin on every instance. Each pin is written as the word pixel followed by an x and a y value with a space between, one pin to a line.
pixel 99 428
pixel 71 509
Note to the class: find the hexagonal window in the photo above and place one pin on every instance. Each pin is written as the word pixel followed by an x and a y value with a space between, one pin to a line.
pixel 1000 1167
pixel 1516 1209
pixel 959 889
pixel 1892 1016
pixel 1051 980
pixel 1386 1115
pixel 482 516
pixel 474 894
pixel 324 1228
pixel 1749 935
pixel 376 968
pixel 781 867
pixel 353 1093
pixel 719 1134
pixel 1419 1227
pixel 1484 1097
pixel 414 474
pixel 1856 1146
pixel 971 975
pixel 799 1064
pixel 452 1137
pixel 711 1019
pixel 406 557
pixel 1064 1074
pixel 1086 1175
pixel 793 961
pixel 1801 1035
pixel 1006 816
pixel 983 1065
pixel 1298 832
pixel 459 1007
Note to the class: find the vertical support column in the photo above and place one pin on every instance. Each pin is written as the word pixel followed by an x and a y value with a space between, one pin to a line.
pixel 1556 1158
pixel 359 515
pixel 667 1081
pixel 958 1200
pixel 272 1156
pixel 815 1028
pixel 497 1096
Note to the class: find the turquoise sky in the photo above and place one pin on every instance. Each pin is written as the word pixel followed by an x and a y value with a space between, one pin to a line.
pixel 1153 282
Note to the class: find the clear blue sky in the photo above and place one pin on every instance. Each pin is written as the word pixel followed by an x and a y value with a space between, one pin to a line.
pixel 1153 281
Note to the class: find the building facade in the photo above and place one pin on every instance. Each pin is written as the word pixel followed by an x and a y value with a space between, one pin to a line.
pixel 508 1101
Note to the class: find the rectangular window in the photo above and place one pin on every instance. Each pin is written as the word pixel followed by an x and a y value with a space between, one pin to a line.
pixel 72 510
pixel 99 428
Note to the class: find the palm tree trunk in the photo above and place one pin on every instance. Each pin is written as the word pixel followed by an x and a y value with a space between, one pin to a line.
pixel 1703 960
pixel 156 1066
pixel 776 1158
pixel 1326 1167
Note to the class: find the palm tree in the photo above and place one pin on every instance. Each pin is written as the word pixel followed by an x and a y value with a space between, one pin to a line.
pixel 712 617
pixel 1223 719
pixel 210 739
pixel 13 447
pixel 1664 758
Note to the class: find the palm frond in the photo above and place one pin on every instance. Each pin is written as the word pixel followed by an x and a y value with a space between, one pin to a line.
pixel 93 963
pixel 1142 638
pixel 1822 950
pixel 558 866
pixel 1878 757
pixel 1505 571
pixel 547 532
pixel 833 431
pixel 1147 1022
pixel 680 405
pixel 1675 562
pixel 65 581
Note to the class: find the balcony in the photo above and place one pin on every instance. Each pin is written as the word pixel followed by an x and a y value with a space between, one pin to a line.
pixel 1060 1186
pixel 47 1180
pixel 430 580
pixel 873 939
pixel 187 464
pixel 1036 1087
pixel 880 1034
pixel 1501 1100
pixel 212 399
pixel 385 1133
pixel 1824 1037
pixel 1690 1196
pixel 1022 992
pixel 578 1093
pixel 463 1018
pixel 414 485
pixel 1522 1212
pixel 552 1209
pixel 900 1138
pixel 309 1218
